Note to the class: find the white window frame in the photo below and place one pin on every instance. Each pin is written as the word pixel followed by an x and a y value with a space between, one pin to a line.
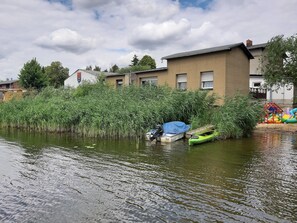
pixel 151 81
pixel 181 82
pixel 206 80
pixel 119 83
pixel 254 83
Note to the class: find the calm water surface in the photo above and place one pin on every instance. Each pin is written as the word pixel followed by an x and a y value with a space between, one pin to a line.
pixel 63 179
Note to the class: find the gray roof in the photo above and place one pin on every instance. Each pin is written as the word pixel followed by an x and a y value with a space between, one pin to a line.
pixel 152 70
pixel 258 46
pixel 210 50
pixel 96 73
pixel 91 71
pixel 8 82
pixel 109 74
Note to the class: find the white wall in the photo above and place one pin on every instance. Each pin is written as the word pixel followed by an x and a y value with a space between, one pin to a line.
pixel 254 63
pixel 71 81
pixel 254 80
pixel 284 95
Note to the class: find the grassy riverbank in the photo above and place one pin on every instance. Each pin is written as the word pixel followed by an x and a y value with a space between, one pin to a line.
pixel 102 111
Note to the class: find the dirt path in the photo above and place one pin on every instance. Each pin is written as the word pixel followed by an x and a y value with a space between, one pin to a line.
pixel 277 128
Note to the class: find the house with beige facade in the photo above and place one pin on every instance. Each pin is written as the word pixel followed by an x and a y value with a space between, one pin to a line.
pixel 222 70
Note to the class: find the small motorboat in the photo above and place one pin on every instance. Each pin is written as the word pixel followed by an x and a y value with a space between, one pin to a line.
pixel 202 137
pixel 168 132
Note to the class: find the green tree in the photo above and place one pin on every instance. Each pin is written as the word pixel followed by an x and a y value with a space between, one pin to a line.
pixel 97 68
pixel 134 61
pixel 32 76
pixel 114 69
pixel 279 63
pixel 89 67
pixel 133 69
pixel 147 60
pixel 101 78
pixel 56 74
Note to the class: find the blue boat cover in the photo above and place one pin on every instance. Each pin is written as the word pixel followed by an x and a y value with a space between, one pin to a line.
pixel 175 127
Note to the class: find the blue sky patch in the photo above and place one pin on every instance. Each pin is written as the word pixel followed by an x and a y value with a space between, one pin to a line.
pixel 67 3
pixel 97 14
pixel 204 4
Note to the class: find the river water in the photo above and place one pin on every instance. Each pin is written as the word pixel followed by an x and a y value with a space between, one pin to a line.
pixel 50 178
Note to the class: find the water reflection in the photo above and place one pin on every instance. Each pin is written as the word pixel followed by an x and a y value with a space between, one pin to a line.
pixel 59 178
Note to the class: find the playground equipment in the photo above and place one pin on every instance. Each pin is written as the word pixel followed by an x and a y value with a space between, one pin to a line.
pixel 273 113
pixel 291 117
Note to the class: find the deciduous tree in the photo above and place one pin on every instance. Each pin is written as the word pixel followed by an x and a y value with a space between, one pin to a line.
pixel 31 76
pixel 56 74
pixel 147 60
pixel 133 69
pixel 97 68
pixel 279 63
pixel 114 69
pixel 89 67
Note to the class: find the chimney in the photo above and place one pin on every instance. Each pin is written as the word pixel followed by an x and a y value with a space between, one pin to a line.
pixel 249 43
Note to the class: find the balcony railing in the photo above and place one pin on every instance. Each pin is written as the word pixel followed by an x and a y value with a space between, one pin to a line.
pixel 258 93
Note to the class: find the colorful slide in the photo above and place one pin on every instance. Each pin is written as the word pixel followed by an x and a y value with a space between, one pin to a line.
pixel 290 118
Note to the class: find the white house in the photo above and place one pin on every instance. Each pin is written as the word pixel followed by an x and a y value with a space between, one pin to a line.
pixel 80 76
pixel 282 96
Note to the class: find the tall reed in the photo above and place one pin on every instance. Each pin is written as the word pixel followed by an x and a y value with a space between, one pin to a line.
pixel 237 117
pixel 102 111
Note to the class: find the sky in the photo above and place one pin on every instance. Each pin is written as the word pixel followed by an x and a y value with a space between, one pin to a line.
pixel 79 33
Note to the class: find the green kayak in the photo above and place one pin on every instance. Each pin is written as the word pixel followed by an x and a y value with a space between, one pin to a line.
pixel 199 138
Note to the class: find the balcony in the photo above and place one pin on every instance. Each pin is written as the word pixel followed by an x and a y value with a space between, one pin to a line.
pixel 258 93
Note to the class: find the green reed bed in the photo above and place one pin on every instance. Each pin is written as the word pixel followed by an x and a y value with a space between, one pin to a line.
pixel 236 118
pixel 101 111
pixel 97 110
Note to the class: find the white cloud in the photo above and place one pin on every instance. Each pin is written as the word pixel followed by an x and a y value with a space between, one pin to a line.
pixel 159 10
pixel 135 8
pixel 66 40
pixel 209 35
pixel 151 35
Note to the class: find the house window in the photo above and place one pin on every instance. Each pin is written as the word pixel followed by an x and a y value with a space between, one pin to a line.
pixel 119 83
pixel 207 80
pixel 256 84
pixel 181 82
pixel 151 81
